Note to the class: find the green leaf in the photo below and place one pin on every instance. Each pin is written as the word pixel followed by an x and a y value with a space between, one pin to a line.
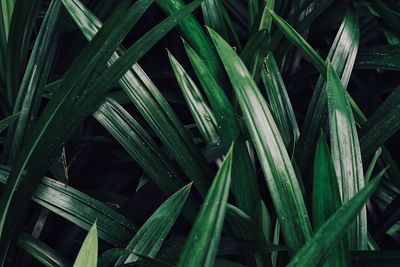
pixel 318 248
pixel 152 105
pixel 87 256
pixel 7 7
pixel 20 31
pixel 56 122
pixel 379 57
pixel 254 52
pixel 216 16
pixel 55 126
pixel 244 181
pixel 202 114
pixel 299 41
pixel 150 237
pixel 266 19
pixel 275 162
pixel 143 150
pixel 342 55
pixel 201 245
pixel 32 85
pixel 41 252
pixel 195 35
pixel 279 102
pixel 4 123
pixel 81 209
pixel 371 166
pixel 346 154
pixel 326 200
pixel 383 123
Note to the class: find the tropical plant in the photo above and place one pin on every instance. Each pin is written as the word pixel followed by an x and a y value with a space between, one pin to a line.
pixel 266 137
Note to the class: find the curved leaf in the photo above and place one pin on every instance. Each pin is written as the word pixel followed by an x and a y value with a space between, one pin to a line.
pixel 275 162
pixel 318 248
pixel 201 245
pixel 346 154
pixel 150 237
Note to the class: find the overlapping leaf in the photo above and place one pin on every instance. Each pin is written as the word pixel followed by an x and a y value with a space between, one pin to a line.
pixel 275 162
pixel 150 237
pixel 201 245
pixel 150 103
pixel 346 154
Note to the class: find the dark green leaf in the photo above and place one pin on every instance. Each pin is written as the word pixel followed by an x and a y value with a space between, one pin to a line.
pixel 244 182
pixel 279 102
pixel 383 123
pixel 150 237
pixel 342 55
pixel 31 89
pixel 380 57
pixel 152 105
pixel 41 252
pixel 4 123
pixel 318 248
pixel 201 245
pixel 326 200
pixel 81 210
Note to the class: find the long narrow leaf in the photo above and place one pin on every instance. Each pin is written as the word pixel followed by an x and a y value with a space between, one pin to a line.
pixel 150 102
pixel 21 27
pixel 30 91
pixel 200 110
pixel 326 200
pixel 342 55
pixel 201 245
pixel 81 210
pixel 87 256
pixel 149 238
pixel 244 181
pixel 383 123
pixel 280 102
pixel 41 252
pixel 275 162
pixel 346 154
pixel 195 36
pixel 318 248
pixel 4 123
pixel 51 129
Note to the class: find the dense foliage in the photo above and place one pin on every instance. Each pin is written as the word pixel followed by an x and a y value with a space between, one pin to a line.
pixel 132 135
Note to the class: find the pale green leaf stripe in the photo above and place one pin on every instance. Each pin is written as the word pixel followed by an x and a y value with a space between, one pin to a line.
pixel 318 248
pixel 346 154
pixel 201 245
pixel 150 103
pixel 87 256
pixel 7 7
pixel 4 123
pixel 275 162
pixel 150 237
